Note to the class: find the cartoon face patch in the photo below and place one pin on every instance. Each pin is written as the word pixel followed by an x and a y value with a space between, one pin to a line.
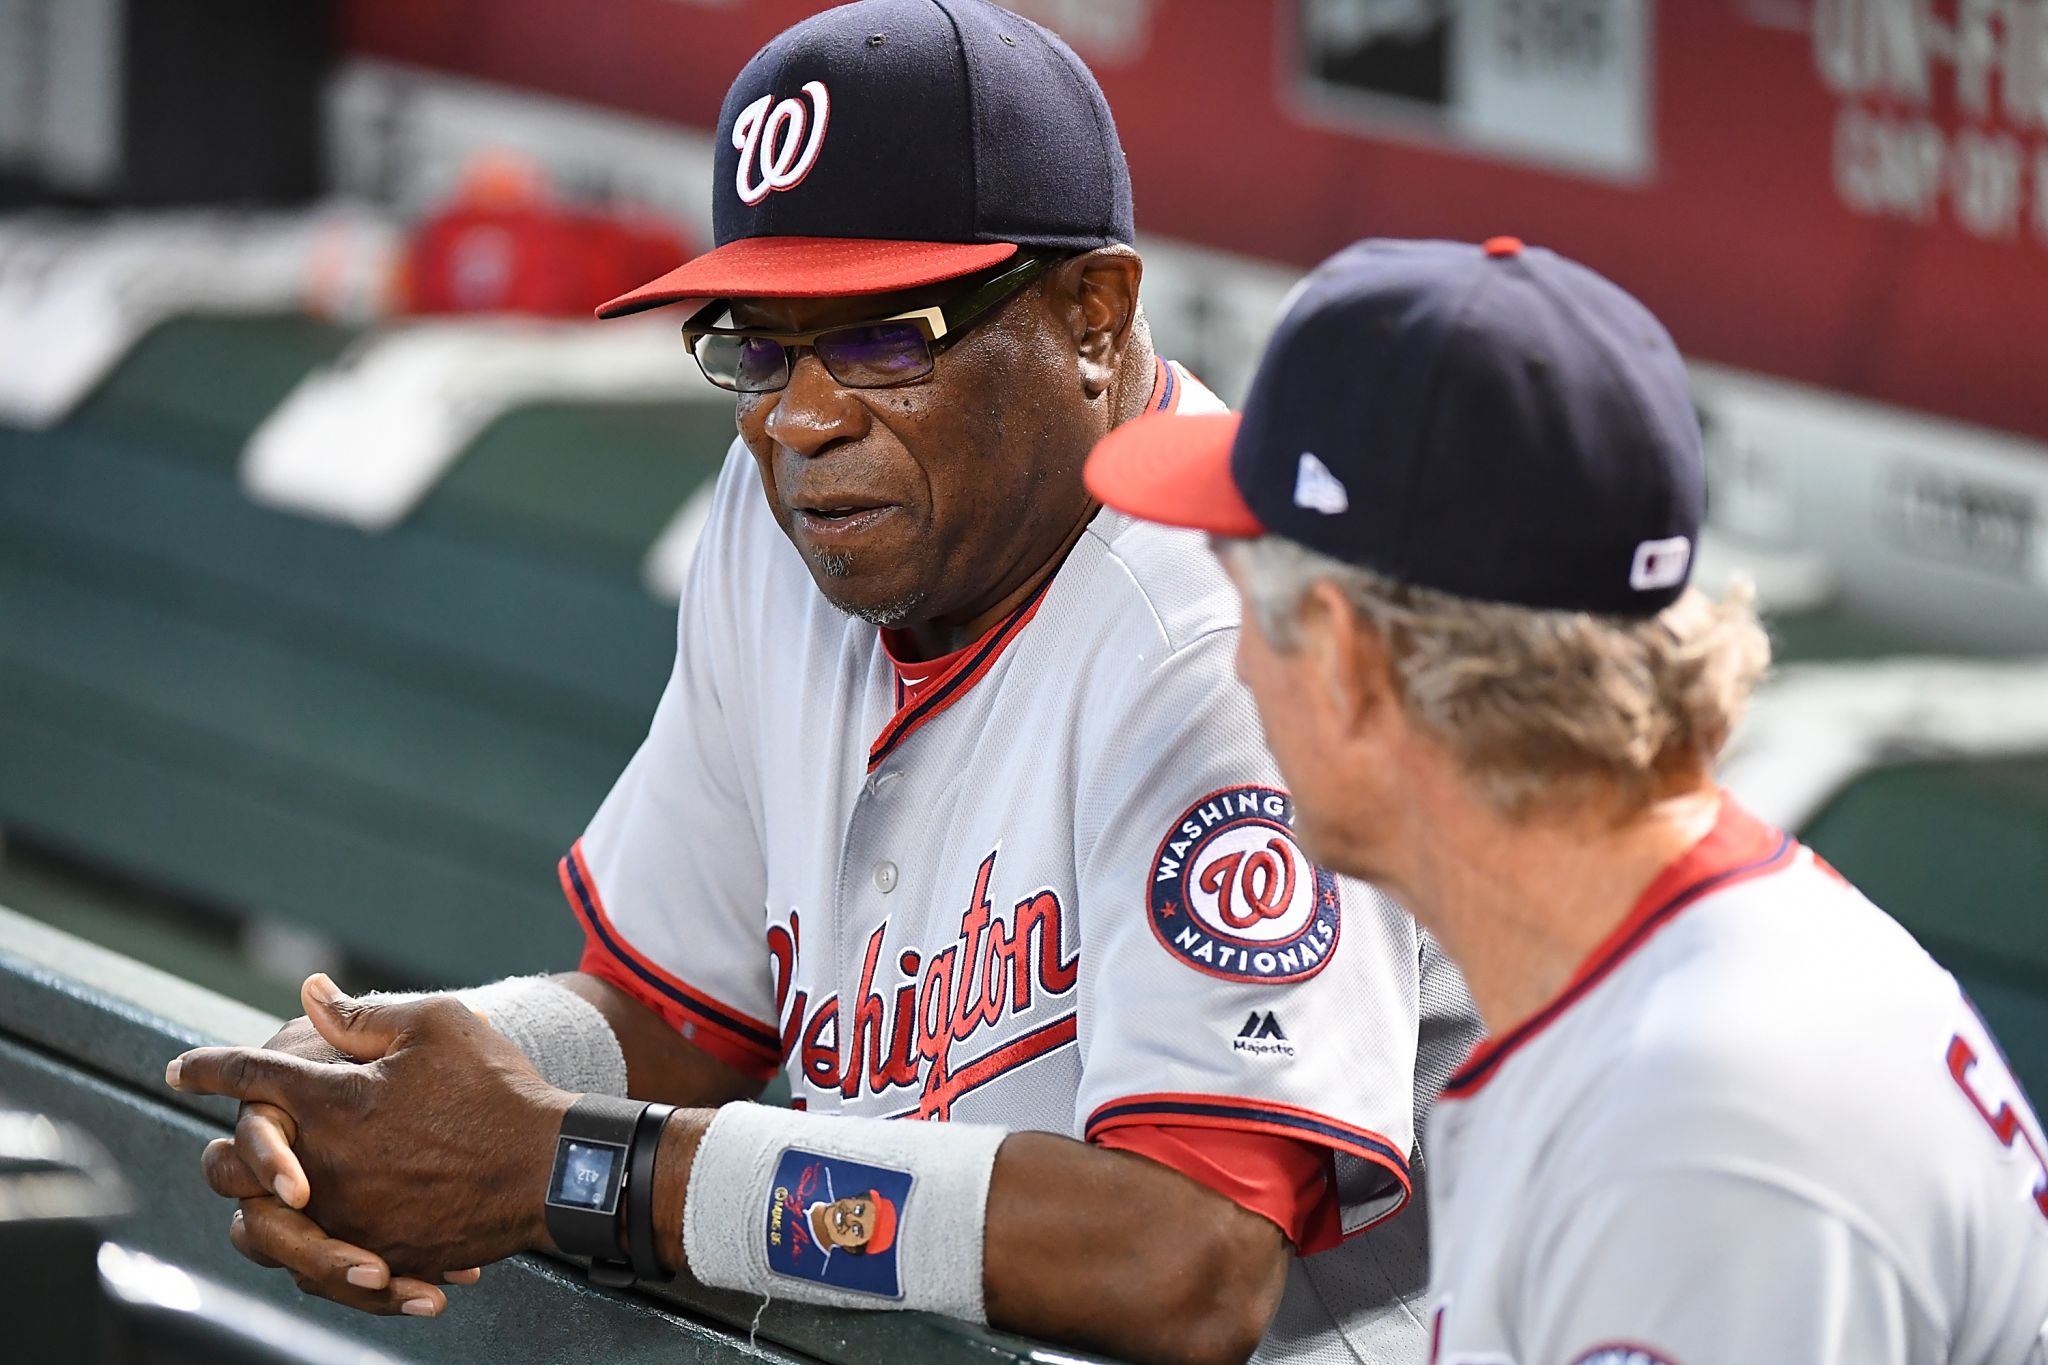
pixel 1232 894
pixel 834 1221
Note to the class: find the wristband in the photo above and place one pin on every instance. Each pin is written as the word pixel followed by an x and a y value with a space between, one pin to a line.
pixel 640 1239
pixel 589 1175
pixel 853 1212
pixel 565 1036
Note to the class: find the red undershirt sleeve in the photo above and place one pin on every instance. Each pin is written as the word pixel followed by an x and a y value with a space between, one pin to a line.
pixel 1287 1181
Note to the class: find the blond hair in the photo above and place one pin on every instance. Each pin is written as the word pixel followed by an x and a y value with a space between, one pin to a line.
pixel 1540 707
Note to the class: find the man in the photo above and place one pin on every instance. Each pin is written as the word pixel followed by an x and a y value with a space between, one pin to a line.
pixel 951 810
pixel 1730 1112
pixel 855 1224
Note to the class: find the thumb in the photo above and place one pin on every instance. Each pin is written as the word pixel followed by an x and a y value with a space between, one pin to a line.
pixel 364 1031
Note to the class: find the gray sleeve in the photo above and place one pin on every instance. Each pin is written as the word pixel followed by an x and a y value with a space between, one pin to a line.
pixel 1707 1268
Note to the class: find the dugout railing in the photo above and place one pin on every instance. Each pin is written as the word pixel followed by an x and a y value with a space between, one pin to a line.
pixel 84 1037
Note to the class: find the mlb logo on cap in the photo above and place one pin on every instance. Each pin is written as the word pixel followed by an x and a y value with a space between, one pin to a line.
pixel 890 144
pixel 1492 421
pixel 1660 563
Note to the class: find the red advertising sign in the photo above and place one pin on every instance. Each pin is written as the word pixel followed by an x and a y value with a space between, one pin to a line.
pixel 1852 193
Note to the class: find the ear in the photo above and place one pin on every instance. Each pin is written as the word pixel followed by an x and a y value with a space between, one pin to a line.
pixel 1350 657
pixel 1100 290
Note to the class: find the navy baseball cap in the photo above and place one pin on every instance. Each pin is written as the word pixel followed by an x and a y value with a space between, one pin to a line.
pixel 1494 421
pixel 890 144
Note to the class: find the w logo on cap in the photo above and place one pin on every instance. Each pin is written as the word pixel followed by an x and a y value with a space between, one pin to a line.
pixel 778 142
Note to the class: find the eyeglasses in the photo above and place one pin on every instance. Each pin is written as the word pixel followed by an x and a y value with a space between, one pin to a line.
pixel 899 349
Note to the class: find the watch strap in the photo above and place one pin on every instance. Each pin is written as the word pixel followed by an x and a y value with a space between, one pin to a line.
pixel 641 1242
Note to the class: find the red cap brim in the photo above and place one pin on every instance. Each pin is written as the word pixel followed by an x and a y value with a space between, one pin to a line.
pixel 1175 470
pixel 810 268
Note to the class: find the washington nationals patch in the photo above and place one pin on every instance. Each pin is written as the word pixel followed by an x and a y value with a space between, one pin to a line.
pixel 834 1221
pixel 1232 894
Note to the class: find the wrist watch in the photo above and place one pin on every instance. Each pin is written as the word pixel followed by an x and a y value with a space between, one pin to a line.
pixel 589 1177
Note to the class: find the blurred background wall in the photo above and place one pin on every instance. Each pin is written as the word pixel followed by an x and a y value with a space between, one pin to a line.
pixel 338 549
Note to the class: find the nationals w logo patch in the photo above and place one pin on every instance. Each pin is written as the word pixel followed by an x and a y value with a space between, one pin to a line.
pixel 778 141
pixel 1232 894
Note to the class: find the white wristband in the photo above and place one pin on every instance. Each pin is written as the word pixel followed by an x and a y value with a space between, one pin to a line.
pixel 565 1036
pixel 856 1213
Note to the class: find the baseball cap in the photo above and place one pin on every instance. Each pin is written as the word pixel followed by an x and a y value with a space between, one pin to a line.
pixel 1492 421
pixel 882 1223
pixel 889 144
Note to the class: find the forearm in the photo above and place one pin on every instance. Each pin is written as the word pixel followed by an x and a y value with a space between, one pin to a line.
pixel 1116 1252
pixel 1083 1246
pixel 661 1065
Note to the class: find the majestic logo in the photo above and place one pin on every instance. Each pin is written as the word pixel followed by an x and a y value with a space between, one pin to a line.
pixel 834 1221
pixel 1261 1036
pixel 997 968
pixel 1233 896
pixel 778 141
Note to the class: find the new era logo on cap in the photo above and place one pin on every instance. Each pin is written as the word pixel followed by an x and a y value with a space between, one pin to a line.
pixel 1317 489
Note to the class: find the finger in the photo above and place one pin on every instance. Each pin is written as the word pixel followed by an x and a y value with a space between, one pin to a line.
pixel 272 1234
pixel 247 1073
pixel 227 1174
pixel 238 1237
pixel 263 1139
pixel 415 1298
pixel 364 1031
pixel 418 1299
pixel 470 1276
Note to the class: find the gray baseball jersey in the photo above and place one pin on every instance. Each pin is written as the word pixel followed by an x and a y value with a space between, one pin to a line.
pixel 1054 889
pixel 1759 1125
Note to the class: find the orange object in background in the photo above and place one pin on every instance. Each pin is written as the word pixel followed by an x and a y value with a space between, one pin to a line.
pixel 504 244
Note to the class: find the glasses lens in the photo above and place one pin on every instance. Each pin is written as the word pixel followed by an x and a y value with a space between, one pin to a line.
pixel 876 356
pixel 743 364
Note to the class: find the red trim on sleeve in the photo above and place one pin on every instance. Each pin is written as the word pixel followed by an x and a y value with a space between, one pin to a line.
pixel 1287 1181
pixel 1267 1117
pixel 733 1037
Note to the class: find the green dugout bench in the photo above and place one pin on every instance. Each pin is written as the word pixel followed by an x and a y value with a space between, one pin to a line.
pixel 389 739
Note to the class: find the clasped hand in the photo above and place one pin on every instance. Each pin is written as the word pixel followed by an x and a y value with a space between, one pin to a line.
pixel 383 1148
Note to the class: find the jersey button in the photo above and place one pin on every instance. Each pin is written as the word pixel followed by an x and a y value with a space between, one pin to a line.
pixel 885 877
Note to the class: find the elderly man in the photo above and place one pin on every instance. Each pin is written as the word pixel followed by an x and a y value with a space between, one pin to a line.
pixel 1729 1111
pixel 951 810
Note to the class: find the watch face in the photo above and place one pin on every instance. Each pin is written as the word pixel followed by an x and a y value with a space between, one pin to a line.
pixel 587 1175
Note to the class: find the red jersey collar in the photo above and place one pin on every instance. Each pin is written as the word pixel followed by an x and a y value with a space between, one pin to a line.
pixel 951 678
pixel 917 679
pixel 1738 848
pixel 1166 387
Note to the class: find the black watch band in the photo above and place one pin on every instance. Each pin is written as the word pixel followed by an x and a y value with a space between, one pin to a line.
pixel 640 1236
pixel 588 1180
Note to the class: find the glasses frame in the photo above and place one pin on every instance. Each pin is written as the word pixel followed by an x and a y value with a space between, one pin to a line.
pixel 941 325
